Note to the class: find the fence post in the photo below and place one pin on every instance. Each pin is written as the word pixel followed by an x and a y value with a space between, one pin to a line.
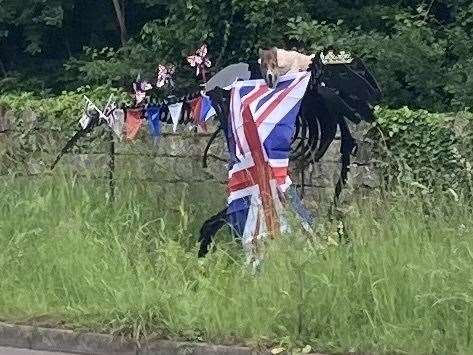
pixel 111 165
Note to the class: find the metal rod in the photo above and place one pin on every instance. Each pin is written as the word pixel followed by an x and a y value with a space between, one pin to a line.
pixel 111 165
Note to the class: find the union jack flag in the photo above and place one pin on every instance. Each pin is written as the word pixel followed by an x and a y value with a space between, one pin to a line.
pixel 261 127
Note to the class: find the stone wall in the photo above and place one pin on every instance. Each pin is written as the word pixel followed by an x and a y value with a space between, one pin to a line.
pixel 170 166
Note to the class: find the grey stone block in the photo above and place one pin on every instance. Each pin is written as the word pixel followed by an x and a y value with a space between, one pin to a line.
pixel 15 335
pixel 359 131
pixel 364 176
pixel 186 144
pixel 325 174
pixel 162 168
pixel 217 169
pixel 364 154
pixel 69 341
pixel 105 344
pixel 59 340
pixel 321 174
pixel 94 165
pixel 52 339
pixel 332 153
pixel 317 198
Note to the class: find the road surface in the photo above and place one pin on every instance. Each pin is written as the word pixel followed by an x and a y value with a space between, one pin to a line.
pixel 12 351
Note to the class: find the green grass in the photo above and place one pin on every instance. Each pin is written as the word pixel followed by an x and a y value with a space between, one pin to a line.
pixel 403 284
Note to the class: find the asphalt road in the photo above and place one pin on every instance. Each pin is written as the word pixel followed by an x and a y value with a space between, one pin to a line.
pixel 11 351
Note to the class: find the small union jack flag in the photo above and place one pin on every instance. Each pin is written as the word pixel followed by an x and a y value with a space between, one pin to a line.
pixel 261 127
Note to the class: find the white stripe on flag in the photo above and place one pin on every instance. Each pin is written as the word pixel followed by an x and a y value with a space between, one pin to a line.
pixel 251 190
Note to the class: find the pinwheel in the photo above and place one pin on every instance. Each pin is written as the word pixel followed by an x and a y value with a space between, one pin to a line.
pixel 164 75
pixel 200 61
pixel 140 88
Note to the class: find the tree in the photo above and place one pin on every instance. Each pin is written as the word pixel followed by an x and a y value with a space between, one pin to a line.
pixel 120 12
pixel 420 50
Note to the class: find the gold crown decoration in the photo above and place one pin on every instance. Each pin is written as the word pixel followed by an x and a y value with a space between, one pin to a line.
pixel 332 58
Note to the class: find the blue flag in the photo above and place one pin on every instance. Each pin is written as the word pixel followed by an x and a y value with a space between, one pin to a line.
pixel 153 113
pixel 206 110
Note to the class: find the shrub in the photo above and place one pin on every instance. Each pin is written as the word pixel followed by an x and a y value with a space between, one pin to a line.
pixel 418 146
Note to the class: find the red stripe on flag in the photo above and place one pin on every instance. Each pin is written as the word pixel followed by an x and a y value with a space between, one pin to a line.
pixel 241 180
pixel 276 102
pixel 262 90
pixel 280 174
pixel 261 171
pixel 245 178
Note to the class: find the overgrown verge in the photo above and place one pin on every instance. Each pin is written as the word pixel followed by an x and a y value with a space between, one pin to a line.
pixel 400 284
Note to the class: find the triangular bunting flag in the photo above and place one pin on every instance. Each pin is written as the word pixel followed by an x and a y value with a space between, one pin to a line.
pixel 133 123
pixel 196 105
pixel 207 109
pixel 175 110
pixel 153 114
pixel 116 121
pixel 86 118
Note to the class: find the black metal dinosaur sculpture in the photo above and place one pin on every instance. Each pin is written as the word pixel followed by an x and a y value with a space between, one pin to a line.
pixel 336 93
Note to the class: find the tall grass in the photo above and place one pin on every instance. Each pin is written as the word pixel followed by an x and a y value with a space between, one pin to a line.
pixel 402 283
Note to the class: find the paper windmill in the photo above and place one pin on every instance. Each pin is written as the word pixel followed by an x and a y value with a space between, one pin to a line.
pixel 200 60
pixel 140 88
pixel 164 75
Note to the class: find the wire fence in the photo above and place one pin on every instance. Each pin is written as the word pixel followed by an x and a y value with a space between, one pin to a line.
pixel 105 158
pixel 42 157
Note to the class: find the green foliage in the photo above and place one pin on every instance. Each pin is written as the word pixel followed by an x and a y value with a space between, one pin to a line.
pixel 420 51
pixel 239 29
pixel 43 124
pixel 67 258
pixel 460 86
pixel 36 17
pixel 409 62
pixel 58 111
pixel 431 149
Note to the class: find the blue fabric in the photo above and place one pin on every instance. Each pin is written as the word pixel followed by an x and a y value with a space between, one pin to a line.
pixel 206 109
pixel 246 90
pixel 296 203
pixel 278 142
pixel 237 213
pixel 153 114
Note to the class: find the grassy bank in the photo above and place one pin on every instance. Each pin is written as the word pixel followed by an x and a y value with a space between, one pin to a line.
pixel 404 283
